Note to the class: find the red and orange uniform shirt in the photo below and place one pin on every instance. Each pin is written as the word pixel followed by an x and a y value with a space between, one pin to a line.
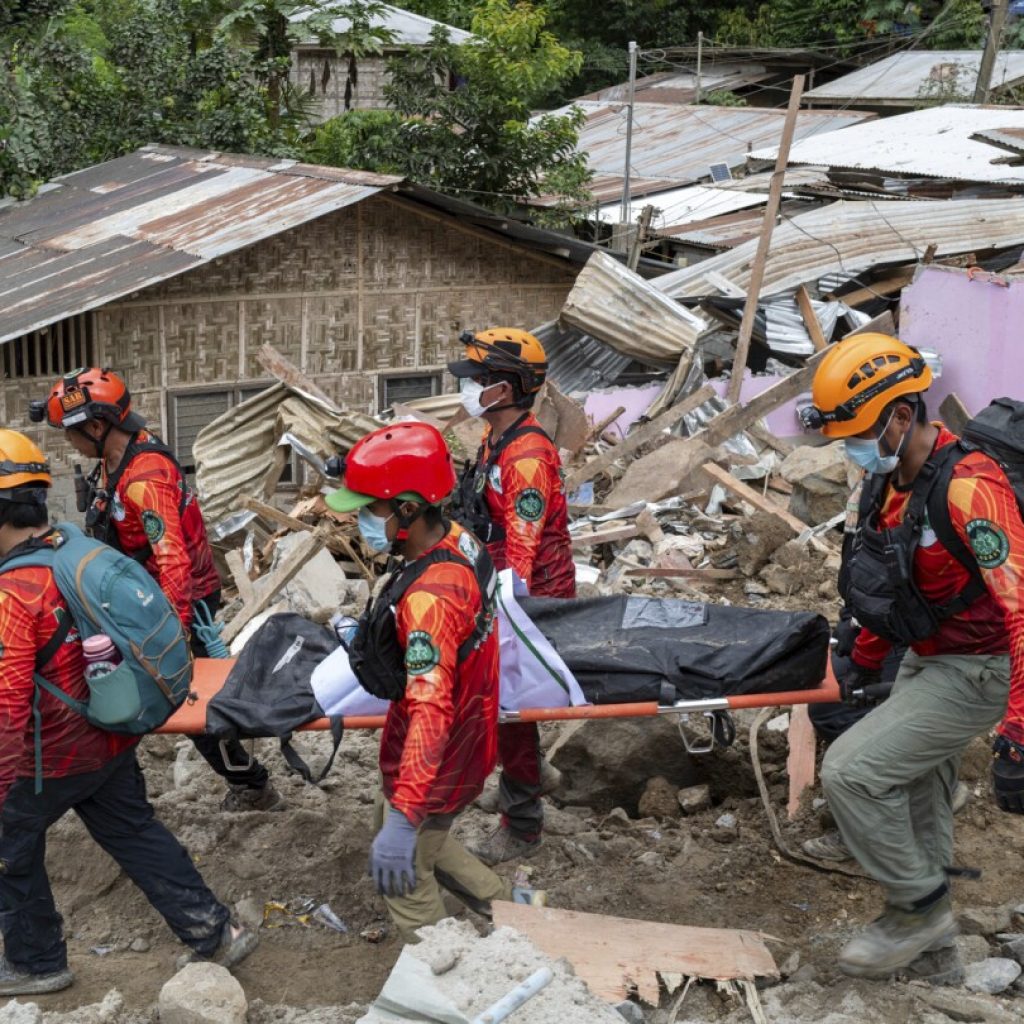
pixel 985 515
pixel 147 509
pixel 31 611
pixel 440 741
pixel 525 495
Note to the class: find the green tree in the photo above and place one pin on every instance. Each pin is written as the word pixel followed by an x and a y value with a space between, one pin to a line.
pixel 462 114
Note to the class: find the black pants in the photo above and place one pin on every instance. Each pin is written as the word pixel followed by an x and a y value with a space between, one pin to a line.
pixel 113 806
pixel 255 776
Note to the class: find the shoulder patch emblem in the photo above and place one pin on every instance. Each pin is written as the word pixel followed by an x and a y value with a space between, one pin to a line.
pixel 469 547
pixel 988 542
pixel 421 653
pixel 153 525
pixel 530 505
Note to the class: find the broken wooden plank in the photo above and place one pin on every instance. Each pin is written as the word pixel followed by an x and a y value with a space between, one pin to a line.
pixel 765 436
pixel 288 373
pixel 290 566
pixel 276 516
pixel 609 953
pixel 669 418
pixel 800 763
pixel 747 493
pixel 672 573
pixel 589 540
pixel 243 584
pixel 954 413
pixel 880 289
pixel 599 428
pixel 810 319
pixel 647 524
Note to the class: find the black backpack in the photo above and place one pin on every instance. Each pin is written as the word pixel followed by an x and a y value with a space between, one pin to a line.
pixel 376 656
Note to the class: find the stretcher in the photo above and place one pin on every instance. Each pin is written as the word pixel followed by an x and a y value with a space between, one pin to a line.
pixel 210 675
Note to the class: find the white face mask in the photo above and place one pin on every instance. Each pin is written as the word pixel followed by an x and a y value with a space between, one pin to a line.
pixel 469 395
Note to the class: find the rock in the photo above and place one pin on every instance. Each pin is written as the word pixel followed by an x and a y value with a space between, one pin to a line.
pixel 638 550
pixel 1014 948
pixel 805 973
pixel 631 1011
pixel 140 945
pixel 819 475
pixel 202 993
pixel 759 537
pixel 441 961
pixel 780 723
pixel 659 799
pixel 651 859
pixel 660 474
pixel 779 580
pixel 992 976
pixel 20 1013
pixel 726 829
pixel 559 823
pixel 608 763
pixel 984 920
pixel 972 948
pixel 791 964
pixel 694 799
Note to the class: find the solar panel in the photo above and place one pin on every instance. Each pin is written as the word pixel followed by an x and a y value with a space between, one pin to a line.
pixel 720 172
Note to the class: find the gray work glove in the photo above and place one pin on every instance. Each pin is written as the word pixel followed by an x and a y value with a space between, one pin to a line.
pixel 393 856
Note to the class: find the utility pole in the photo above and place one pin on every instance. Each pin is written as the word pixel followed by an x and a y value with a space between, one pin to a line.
pixel 988 59
pixel 700 54
pixel 629 135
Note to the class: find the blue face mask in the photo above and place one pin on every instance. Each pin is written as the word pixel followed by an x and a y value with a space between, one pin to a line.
pixel 867 452
pixel 374 530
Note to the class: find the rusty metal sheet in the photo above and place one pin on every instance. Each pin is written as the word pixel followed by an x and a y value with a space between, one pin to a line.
pixel 1010 139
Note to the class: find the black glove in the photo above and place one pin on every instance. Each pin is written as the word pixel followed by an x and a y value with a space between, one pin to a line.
pixel 845 635
pixel 861 686
pixel 1008 775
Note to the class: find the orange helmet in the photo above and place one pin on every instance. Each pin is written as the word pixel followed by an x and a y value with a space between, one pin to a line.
pixel 24 471
pixel 503 353
pixel 88 394
pixel 858 378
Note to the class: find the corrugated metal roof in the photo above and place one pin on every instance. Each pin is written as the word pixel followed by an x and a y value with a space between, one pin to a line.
pixel 678 144
pixel 623 310
pixel 1011 139
pixel 914 76
pixel 681 86
pixel 578 362
pixel 114 228
pixel 730 229
pixel 852 236
pixel 407 29
pixel 936 142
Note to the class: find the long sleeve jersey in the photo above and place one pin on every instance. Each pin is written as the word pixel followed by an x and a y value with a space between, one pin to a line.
pixel 440 740
pixel 31 611
pixel 985 515
pixel 147 510
pixel 525 494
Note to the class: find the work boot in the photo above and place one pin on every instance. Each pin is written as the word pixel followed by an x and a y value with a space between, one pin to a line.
pixel 22 983
pixel 245 798
pixel 550 781
pixel 961 797
pixel 898 938
pixel 501 845
pixel 236 943
pixel 828 847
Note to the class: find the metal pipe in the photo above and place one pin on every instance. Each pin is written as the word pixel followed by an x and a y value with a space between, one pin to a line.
pixel 629 137
pixel 700 55
pixel 511 1001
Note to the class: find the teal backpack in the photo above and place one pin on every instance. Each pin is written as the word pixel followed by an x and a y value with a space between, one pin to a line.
pixel 108 592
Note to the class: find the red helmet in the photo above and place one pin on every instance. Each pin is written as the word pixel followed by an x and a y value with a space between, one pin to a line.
pixel 88 394
pixel 407 461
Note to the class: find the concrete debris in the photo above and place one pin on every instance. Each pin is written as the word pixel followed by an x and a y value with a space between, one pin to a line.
pixel 992 976
pixel 20 1013
pixel 202 993
pixel 821 479
pixel 694 799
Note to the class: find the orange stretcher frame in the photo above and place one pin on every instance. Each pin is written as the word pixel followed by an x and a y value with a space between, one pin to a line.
pixel 210 675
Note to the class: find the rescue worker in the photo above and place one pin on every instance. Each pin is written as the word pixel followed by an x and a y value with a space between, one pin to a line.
pixel 84 769
pixel 139 501
pixel 429 645
pixel 936 564
pixel 513 499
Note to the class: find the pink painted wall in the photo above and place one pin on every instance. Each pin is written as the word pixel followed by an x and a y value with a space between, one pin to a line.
pixel 976 326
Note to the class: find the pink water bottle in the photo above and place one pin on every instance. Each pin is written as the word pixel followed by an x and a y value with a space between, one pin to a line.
pixel 101 656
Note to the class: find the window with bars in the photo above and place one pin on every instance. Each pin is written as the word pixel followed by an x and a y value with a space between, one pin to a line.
pixel 404 388
pixel 51 351
pixel 190 411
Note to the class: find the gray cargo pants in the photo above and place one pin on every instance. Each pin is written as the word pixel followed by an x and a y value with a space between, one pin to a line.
pixel 890 778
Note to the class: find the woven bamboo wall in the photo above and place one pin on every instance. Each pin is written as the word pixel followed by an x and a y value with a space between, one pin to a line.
pixel 376 287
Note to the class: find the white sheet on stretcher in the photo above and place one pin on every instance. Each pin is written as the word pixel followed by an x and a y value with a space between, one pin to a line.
pixel 533 674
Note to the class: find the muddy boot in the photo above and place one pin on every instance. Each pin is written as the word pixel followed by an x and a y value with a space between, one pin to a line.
pixel 898 938
pixel 244 798
pixel 501 845
pixel 827 847
pixel 236 943
pixel 21 983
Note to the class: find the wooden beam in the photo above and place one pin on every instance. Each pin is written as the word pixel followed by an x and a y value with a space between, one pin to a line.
pixel 599 428
pixel 290 566
pixel 761 256
pixel 810 319
pixel 276 516
pixel 954 413
pixel 747 493
pixel 800 764
pixel 672 573
pixel 589 540
pixel 288 373
pixel 236 563
pixel 669 418
pixel 887 286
